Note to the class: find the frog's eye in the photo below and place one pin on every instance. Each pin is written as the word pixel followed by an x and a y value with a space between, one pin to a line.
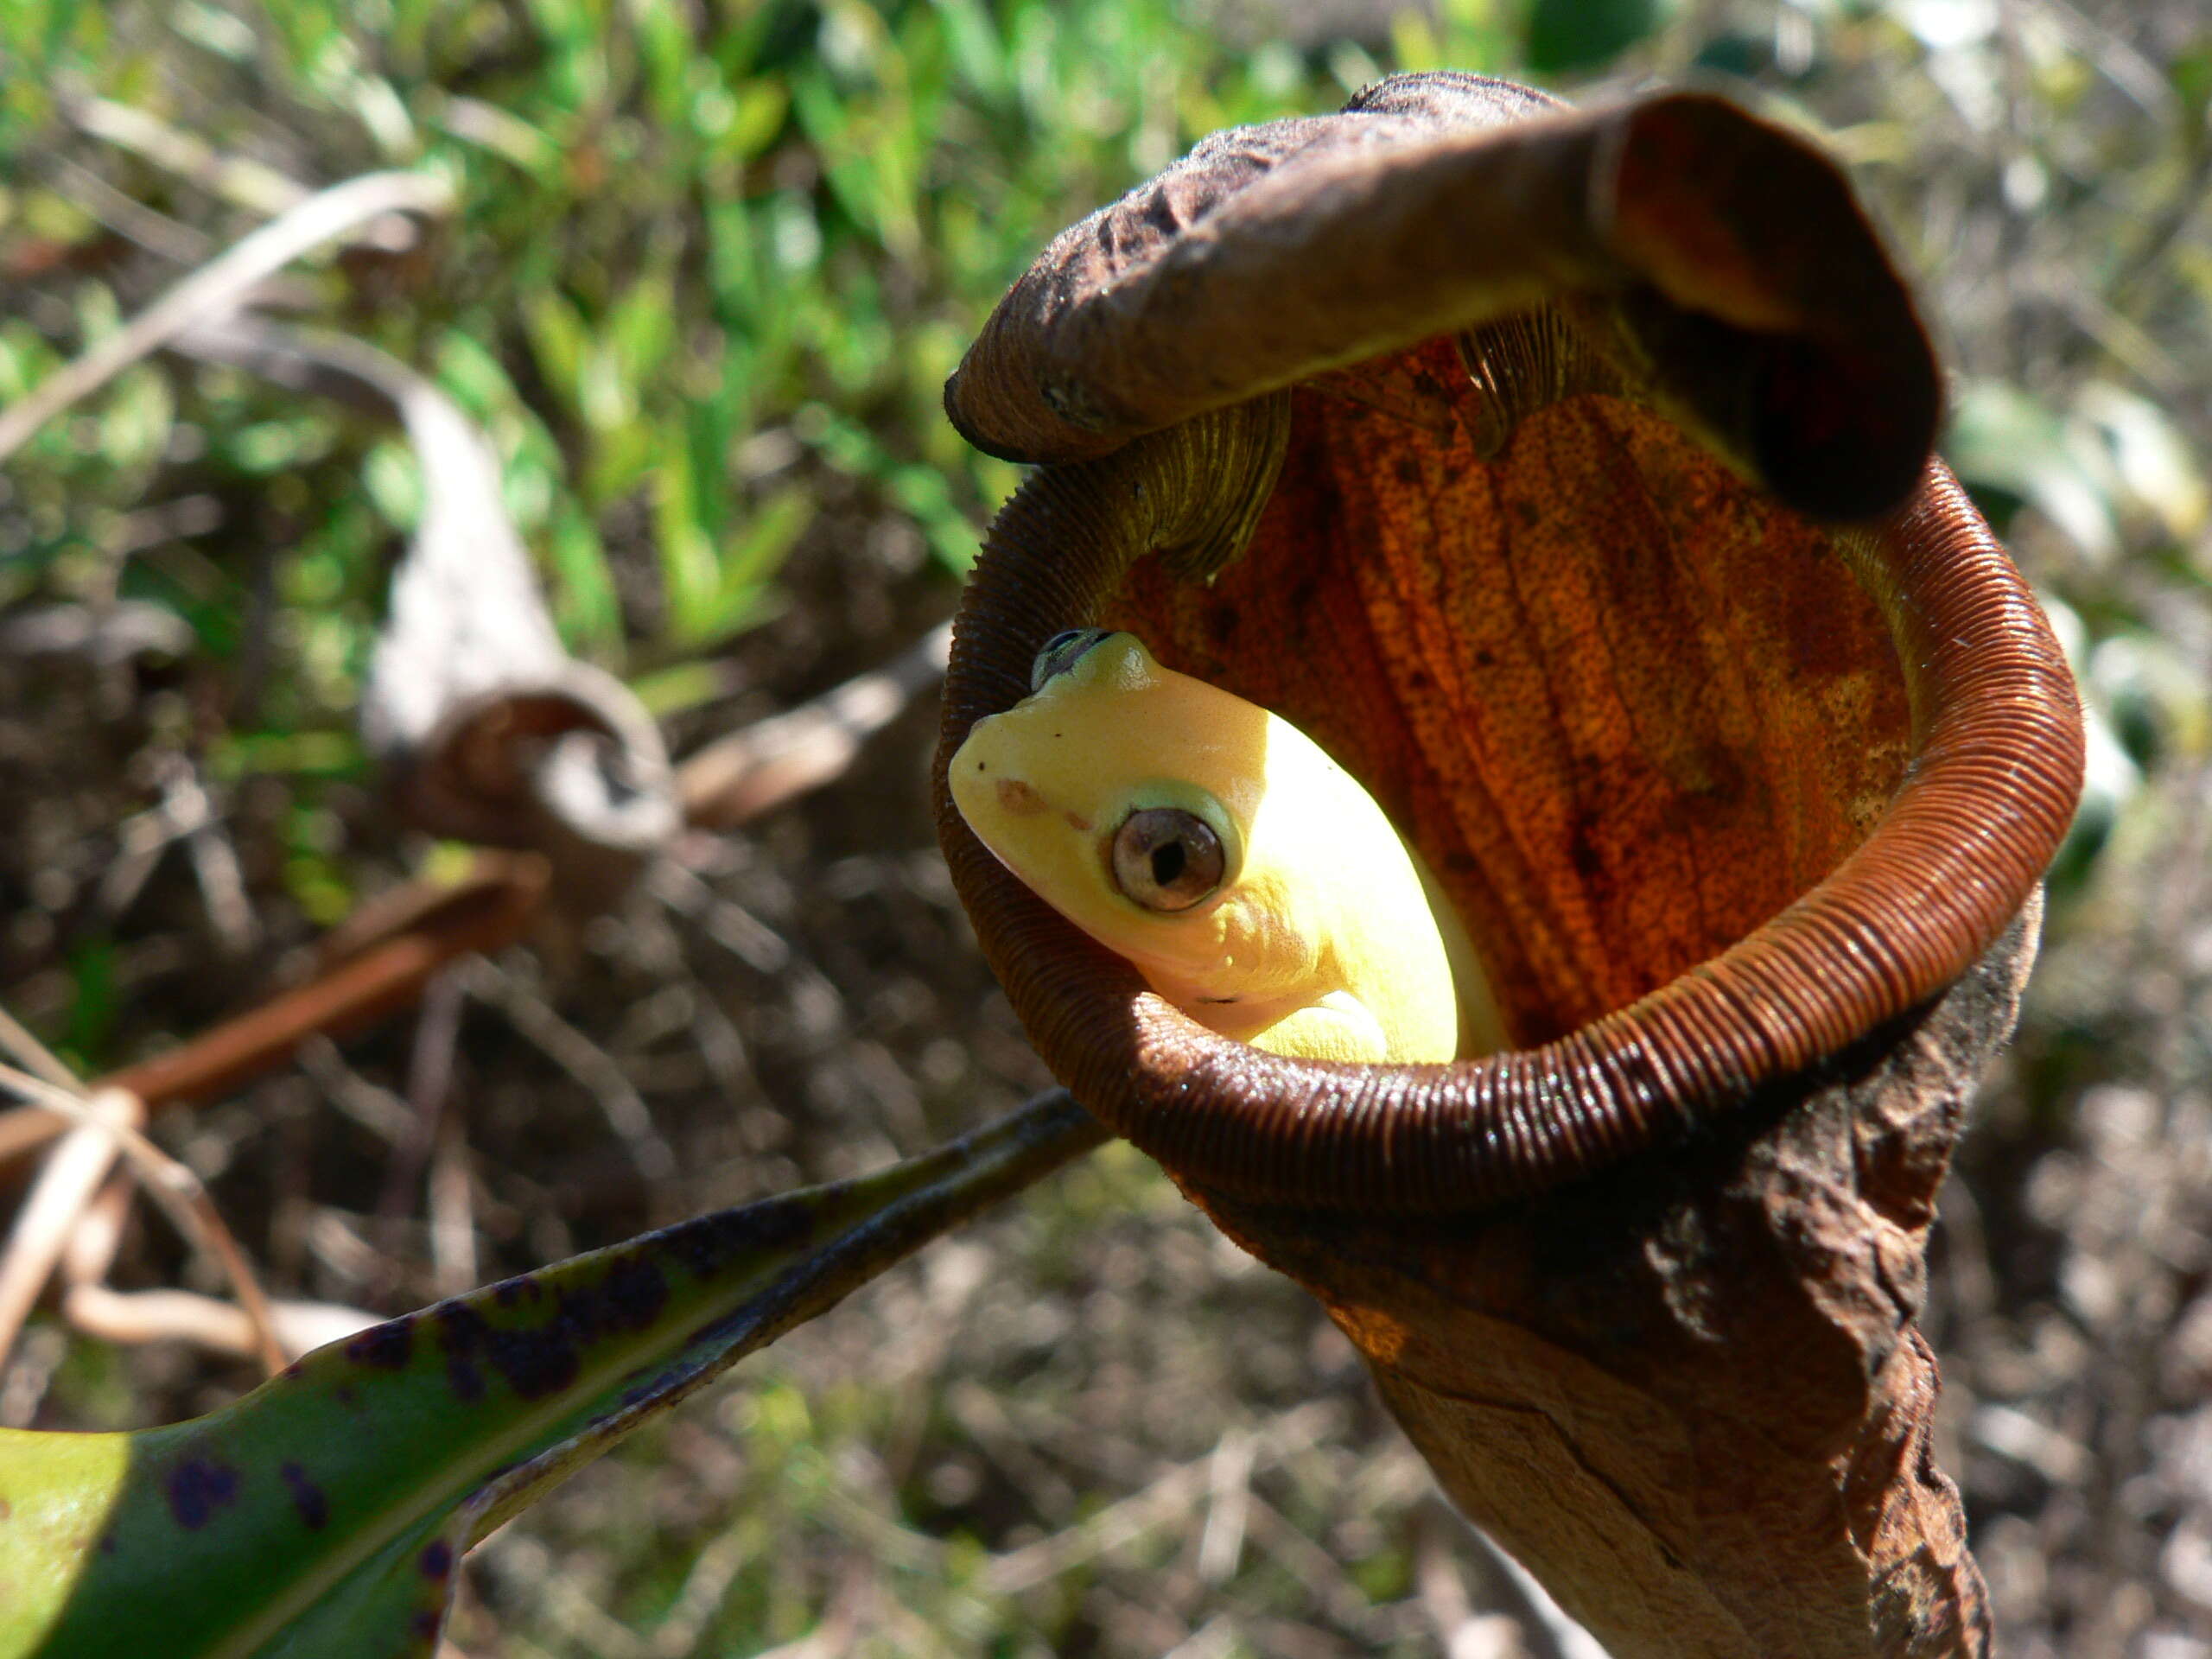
pixel 1062 651
pixel 1166 858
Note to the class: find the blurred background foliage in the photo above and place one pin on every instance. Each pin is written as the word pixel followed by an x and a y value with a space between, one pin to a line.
pixel 714 261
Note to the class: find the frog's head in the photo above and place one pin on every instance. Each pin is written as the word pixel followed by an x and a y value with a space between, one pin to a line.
pixel 1121 792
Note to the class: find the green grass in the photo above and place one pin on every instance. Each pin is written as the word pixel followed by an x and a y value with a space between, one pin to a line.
pixel 679 232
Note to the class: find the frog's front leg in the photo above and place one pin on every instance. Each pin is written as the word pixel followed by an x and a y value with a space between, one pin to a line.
pixel 1339 1026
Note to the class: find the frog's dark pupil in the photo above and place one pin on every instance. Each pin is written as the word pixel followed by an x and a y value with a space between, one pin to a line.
pixel 1167 862
pixel 1166 859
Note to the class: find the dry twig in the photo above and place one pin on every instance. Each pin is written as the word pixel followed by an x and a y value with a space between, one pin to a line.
pixel 134 1317
pixel 737 777
pixel 537 1021
pixel 384 971
pixel 175 1187
pixel 240 180
pixel 1118 1523
pixel 220 285
pixel 73 1174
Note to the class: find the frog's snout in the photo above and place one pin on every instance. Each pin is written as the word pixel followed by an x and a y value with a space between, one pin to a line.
pixel 985 781
pixel 980 774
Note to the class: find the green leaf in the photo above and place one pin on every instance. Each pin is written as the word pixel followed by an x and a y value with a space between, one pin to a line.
pixel 682 686
pixel 1578 36
pixel 95 1006
pixel 665 48
pixel 559 340
pixel 641 327
pixel 759 552
pixel 689 578
pixel 325 1513
pixel 140 412
pixel 2155 469
pixel 585 607
pixel 394 482
pixel 2006 439
pixel 977 48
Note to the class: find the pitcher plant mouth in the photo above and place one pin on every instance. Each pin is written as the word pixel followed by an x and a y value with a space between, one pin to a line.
pixel 1548 556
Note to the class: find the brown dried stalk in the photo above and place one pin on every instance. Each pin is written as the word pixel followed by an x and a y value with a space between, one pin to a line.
pixel 175 1188
pixel 736 778
pixel 72 1175
pixel 392 957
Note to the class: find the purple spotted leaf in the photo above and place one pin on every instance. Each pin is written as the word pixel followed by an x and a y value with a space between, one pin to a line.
pixel 325 1514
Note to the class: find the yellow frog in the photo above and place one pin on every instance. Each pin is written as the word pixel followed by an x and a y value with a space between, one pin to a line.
pixel 1246 875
